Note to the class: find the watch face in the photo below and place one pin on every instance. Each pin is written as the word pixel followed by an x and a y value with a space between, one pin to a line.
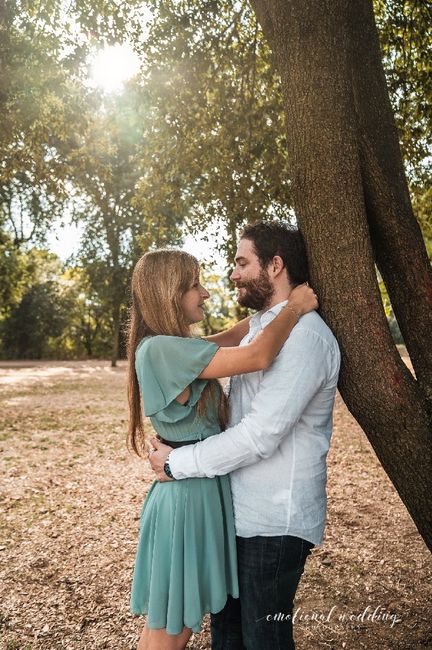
pixel 167 470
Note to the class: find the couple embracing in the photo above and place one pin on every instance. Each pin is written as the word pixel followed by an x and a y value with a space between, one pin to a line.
pixel 240 495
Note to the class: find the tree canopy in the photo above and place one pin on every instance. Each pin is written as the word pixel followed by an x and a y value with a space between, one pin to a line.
pixel 197 135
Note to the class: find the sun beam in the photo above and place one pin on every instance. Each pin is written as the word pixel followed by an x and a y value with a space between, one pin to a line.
pixel 112 66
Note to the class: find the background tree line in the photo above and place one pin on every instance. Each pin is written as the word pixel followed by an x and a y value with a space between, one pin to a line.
pixel 196 136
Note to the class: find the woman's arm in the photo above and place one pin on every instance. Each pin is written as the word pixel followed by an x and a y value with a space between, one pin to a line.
pixel 260 353
pixel 231 337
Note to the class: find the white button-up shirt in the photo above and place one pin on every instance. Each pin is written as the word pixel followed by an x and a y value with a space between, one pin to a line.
pixel 280 426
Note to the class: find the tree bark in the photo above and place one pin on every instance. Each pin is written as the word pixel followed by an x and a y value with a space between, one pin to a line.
pixel 341 196
pixel 399 249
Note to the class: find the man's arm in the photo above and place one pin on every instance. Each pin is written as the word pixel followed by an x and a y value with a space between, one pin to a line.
pixel 285 390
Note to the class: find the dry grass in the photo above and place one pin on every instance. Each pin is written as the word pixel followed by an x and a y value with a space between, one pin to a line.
pixel 72 496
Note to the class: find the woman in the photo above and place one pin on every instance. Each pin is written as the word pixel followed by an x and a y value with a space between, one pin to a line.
pixel 186 558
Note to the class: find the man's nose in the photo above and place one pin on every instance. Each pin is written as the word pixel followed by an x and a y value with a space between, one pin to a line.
pixel 234 276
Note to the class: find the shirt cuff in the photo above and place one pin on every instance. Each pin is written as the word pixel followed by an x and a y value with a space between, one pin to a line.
pixel 182 462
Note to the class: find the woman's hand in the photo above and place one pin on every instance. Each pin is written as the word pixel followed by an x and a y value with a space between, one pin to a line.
pixel 260 353
pixel 303 299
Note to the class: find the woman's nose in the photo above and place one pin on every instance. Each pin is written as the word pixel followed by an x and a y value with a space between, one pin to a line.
pixel 205 294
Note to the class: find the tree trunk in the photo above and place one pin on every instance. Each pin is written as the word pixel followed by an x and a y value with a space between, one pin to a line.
pixel 398 244
pixel 116 336
pixel 353 208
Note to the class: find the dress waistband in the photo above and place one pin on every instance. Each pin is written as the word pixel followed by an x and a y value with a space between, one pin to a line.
pixel 177 443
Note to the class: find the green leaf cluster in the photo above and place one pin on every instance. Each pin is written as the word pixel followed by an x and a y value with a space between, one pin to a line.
pixel 197 136
pixel 217 133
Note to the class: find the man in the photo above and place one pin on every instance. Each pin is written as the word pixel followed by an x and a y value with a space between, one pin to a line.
pixel 275 448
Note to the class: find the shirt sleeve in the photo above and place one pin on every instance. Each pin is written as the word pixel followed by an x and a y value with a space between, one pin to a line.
pixel 166 365
pixel 305 364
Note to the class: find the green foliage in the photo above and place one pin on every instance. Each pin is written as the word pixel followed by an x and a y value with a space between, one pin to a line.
pixel 40 106
pixel 220 311
pixel 35 305
pixel 12 272
pixel 119 226
pixel 45 103
pixel 217 109
pixel 405 30
pixel 40 316
pixel 20 269
pixel 89 329
pixel 391 319
pixel 422 204
pixel 217 133
pixel 198 136
pixel 51 312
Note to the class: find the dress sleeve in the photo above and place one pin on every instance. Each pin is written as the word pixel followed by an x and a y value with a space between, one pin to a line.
pixel 166 365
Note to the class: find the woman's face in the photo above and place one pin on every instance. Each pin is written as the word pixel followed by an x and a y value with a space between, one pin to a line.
pixel 192 302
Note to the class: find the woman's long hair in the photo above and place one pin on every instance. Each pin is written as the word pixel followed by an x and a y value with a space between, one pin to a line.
pixel 159 281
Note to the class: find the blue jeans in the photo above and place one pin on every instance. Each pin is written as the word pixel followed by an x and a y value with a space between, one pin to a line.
pixel 269 570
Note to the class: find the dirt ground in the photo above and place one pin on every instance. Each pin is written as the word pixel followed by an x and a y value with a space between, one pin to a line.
pixel 71 497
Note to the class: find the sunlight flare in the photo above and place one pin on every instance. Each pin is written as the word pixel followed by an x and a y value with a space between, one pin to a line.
pixel 114 65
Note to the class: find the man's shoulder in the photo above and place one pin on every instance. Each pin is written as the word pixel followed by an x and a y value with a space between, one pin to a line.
pixel 313 321
pixel 312 324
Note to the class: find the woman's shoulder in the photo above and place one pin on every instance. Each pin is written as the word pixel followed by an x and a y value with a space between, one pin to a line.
pixel 175 354
pixel 151 341
pixel 161 340
pixel 158 341
pixel 166 365
pixel 162 344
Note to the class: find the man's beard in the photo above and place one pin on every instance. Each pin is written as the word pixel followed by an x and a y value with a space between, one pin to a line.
pixel 258 292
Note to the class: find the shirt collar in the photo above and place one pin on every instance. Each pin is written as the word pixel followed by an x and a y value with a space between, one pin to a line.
pixel 263 318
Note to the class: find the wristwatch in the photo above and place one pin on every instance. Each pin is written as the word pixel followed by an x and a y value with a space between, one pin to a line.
pixel 167 469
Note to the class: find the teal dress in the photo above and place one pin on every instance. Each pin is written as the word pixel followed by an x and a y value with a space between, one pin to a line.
pixel 186 562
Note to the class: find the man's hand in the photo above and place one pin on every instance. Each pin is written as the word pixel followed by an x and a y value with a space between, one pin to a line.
pixel 158 457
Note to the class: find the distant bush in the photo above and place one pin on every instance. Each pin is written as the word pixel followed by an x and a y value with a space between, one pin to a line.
pixel 394 329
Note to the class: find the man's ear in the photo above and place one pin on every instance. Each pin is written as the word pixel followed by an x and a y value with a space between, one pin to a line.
pixel 276 266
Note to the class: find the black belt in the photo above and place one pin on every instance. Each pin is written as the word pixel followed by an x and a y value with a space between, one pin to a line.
pixel 176 444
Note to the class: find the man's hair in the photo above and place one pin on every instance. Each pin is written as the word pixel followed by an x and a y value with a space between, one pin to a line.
pixel 275 238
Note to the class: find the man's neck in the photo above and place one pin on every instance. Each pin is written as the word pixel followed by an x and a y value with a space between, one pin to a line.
pixel 277 297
